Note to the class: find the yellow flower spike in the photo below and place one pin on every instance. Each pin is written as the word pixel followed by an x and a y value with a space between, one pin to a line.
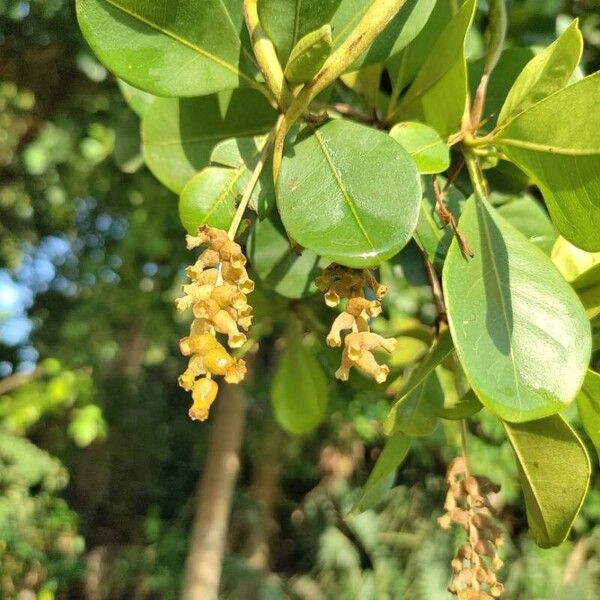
pixel 194 370
pixel 332 299
pixel 232 274
pixel 245 322
pixel 203 277
pixel 343 373
pixel 198 292
pixel 217 361
pixel 224 323
pixel 193 241
pixel 236 372
pixel 229 295
pixel 200 326
pixel 204 393
pixel 183 303
pixel 198 344
pixel 208 258
pixel 205 309
pixel 246 286
pixel 343 322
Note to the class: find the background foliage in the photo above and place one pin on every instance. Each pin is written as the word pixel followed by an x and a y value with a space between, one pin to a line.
pixel 98 461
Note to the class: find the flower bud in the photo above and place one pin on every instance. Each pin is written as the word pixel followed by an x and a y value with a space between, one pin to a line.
pixel 204 393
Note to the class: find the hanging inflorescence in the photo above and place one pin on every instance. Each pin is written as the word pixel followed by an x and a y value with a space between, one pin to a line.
pixel 476 562
pixel 339 282
pixel 217 295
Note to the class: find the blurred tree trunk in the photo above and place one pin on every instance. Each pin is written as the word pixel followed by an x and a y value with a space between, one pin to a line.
pixel 207 545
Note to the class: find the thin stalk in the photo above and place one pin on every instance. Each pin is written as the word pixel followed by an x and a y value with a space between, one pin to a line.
pixel 241 209
pixel 476 175
pixel 496 34
pixel 464 444
pixel 266 56
pixel 378 15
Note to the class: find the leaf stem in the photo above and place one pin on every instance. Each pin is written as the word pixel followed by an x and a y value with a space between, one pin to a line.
pixel 464 445
pixel 266 56
pixel 377 16
pixel 476 175
pixel 241 209
pixel 496 34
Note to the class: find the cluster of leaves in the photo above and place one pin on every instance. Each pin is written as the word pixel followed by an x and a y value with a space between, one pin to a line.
pixel 519 335
pixel 108 311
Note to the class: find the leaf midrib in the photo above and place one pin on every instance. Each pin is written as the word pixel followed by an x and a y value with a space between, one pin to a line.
pixel 343 190
pixel 224 64
pixel 502 301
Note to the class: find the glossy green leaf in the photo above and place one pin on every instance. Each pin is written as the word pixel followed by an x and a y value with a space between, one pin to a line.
pixel 430 153
pixel 179 134
pixel 561 152
pixel 209 198
pixel 392 456
pixel 187 48
pixel 403 67
pixel 462 408
pixel 414 390
pixel 415 414
pixel 545 74
pixel 432 235
pixel 243 154
pixel 572 261
pixel 519 329
pixel 527 215
pixel 511 63
pixel 587 286
pixel 137 100
pixel 438 94
pixel 327 203
pixel 299 393
pixel 554 470
pixel 399 32
pixel 127 151
pixel 588 403
pixel 308 55
pixel 286 22
pixel 278 265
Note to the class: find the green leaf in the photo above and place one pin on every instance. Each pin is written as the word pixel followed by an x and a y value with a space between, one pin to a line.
pixel 399 32
pixel 278 265
pixel 308 55
pixel 299 393
pixel 415 414
pixel 528 216
pixel 588 403
pixel 243 154
pixel 512 61
pixel 432 235
pixel 554 470
pixel 127 151
pixel 329 205
pixel 403 67
pixel 430 153
pixel 587 286
pixel 392 456
pixel 179 134
pixel 464 407
pixel 137 100
pixel 209 198
pixel 545 74
pixel 557 143
pixel 572 261
pixel 286 22
pixel 187 48
pixel 438 94
pixel 519 329
pixel 414 390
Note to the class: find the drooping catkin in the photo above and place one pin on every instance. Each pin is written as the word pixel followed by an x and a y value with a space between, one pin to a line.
pixel 476 562
pixel 337 283
pixel 217 294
